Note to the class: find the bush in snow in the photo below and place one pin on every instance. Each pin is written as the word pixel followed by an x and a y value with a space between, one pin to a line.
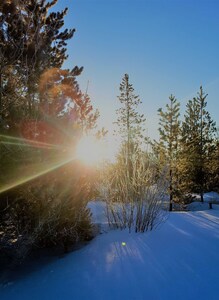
pixel 51 211
pixel 135 201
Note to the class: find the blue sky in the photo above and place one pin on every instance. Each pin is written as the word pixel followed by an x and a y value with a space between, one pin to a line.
pixel 166 46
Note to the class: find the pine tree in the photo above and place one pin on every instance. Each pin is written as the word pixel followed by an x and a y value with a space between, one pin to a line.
pixel 167 147
pixel 31 41
pixel 198 131
pixel 212 165
pixel 130 122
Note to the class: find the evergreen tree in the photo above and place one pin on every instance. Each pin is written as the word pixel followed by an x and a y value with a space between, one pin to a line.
pixel 167 147
pixel 130 122
pixel 198 132
pixel 31 41
pixel 212 166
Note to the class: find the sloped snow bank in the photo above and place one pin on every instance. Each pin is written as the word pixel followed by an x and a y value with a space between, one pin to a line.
pixel 179 260
pixel 211 196
pixel 208 197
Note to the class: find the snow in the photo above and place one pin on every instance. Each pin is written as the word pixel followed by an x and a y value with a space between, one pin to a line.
pixel 98 210
pixel 178 260
pixel 210 196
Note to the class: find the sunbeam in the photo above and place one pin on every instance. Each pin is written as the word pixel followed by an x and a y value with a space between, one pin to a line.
pixel 10 140
pixel 38 170
pixel 31 171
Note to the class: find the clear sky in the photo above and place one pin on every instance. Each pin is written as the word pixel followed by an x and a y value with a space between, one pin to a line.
pixel 166 46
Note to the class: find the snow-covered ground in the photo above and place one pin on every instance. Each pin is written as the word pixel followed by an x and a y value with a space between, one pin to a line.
pixel 179 260
pixel 208 197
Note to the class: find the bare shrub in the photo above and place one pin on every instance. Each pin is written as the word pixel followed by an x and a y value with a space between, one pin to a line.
pixel 136 201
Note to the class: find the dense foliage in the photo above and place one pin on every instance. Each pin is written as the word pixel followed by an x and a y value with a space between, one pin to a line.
pixel 166 150
pixel 43 113
pixel 189 149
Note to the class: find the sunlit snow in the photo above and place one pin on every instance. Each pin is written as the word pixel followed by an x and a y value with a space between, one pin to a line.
pixel 179 260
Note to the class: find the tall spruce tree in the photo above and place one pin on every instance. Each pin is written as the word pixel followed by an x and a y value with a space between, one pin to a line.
pixel 129 121
pixel 198 134
pixel 33 45
pixel 130 129
pixel 167 147
pixel 31 42
pixel 212 166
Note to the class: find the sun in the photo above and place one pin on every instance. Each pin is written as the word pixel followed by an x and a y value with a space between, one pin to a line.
pixel 90 150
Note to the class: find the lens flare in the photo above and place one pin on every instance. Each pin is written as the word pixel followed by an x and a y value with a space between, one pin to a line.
pixel 27 172
pixel 90 150
pixel 11 140
pixel 32 172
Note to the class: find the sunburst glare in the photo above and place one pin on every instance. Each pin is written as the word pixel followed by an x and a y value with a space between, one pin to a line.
pixel 90 150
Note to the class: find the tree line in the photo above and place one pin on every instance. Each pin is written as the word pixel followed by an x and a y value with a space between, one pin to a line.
pixel 187 150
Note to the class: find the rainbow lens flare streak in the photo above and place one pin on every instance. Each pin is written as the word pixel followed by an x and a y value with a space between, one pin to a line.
pixel 34 170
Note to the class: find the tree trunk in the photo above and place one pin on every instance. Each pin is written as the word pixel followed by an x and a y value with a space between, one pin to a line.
pixel 0 95
pixel 202 197
pixel 201 145
pixel 171 192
